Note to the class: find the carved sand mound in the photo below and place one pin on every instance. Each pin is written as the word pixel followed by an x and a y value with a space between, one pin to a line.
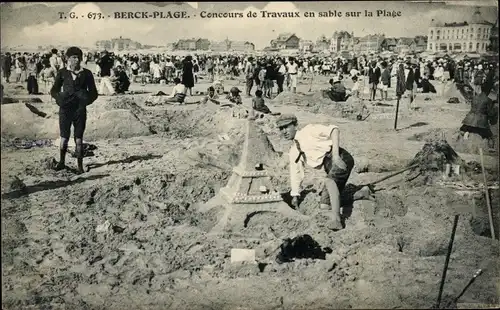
pixel 430 163
pixel 104 121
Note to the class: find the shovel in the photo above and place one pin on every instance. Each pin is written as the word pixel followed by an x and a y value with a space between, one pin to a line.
pixel 371 185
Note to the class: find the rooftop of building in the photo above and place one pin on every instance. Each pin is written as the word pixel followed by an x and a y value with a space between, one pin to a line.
pixel 342 33
pixel 476 19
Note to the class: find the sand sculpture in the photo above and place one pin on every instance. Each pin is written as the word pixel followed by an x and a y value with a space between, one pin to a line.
pixel 249 190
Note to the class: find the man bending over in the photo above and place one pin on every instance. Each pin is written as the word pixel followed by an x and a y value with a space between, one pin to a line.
pixel 317 146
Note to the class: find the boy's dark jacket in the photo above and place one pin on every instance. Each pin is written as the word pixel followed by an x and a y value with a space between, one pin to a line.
pixel 76 94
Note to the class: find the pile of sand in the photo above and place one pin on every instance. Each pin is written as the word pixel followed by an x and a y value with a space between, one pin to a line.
pixel 456 139
pixel 299 99
pixel 115 124
pixel 18 121
pixel 13 89
pixel 317 102
pixel 431 161
pixel 209 122
pixel 117 117
pixel 104 121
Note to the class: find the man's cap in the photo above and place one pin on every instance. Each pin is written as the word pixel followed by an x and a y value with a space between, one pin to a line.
pixel 74 51
pixel 285 120
pixel 235 89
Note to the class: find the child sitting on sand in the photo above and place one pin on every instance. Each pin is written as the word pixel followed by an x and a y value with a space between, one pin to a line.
pixel 234 95
pixel 258 105
pixel 211 96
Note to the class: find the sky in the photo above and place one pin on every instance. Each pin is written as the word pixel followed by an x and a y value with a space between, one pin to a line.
pixel 33 24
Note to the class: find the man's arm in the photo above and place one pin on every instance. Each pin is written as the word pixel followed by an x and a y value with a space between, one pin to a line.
pixel 296 172
pixel 56 87
pixel 91 88
pixel 337 160
pixel 335 136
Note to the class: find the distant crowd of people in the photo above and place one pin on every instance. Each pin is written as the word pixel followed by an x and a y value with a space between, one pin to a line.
pixel 270 74
pixel 74 87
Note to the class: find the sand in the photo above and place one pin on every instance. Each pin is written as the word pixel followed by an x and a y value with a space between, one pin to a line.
pixel 128 233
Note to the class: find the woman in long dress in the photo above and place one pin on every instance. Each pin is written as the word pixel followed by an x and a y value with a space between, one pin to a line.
pixel 187 74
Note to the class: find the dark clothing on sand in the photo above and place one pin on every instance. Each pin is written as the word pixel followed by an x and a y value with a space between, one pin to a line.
pixel 337 93
pixel 427 87
pixel 122 82
pixel 333 172
pixel 259 105
pixel 481 115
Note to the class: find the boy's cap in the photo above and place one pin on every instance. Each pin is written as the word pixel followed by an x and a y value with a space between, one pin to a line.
pixel 286 119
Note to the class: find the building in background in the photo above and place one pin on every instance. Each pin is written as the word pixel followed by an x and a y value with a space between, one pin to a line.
pixel 389 44
pixel 285 41
pixel 306 46
pixel 222 46
pixel 406 45
pixel 118 44
pixel 236 46
pixel 420 44
pixel 369 44
pixel 170 47
pixel 494 38
pixel 202 44
pixel 471 36
pixel 342 41
pixel 241 46
pixel 322 44
pixel 186 45
pixel 192 44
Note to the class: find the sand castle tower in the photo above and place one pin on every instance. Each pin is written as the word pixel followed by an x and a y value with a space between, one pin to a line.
pixel 244 193
pixel 250 181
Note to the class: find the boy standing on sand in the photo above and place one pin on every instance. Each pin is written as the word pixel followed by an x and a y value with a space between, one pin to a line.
pixel 74 89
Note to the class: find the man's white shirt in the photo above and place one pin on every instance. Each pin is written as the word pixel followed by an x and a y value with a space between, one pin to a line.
pixel 315 142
